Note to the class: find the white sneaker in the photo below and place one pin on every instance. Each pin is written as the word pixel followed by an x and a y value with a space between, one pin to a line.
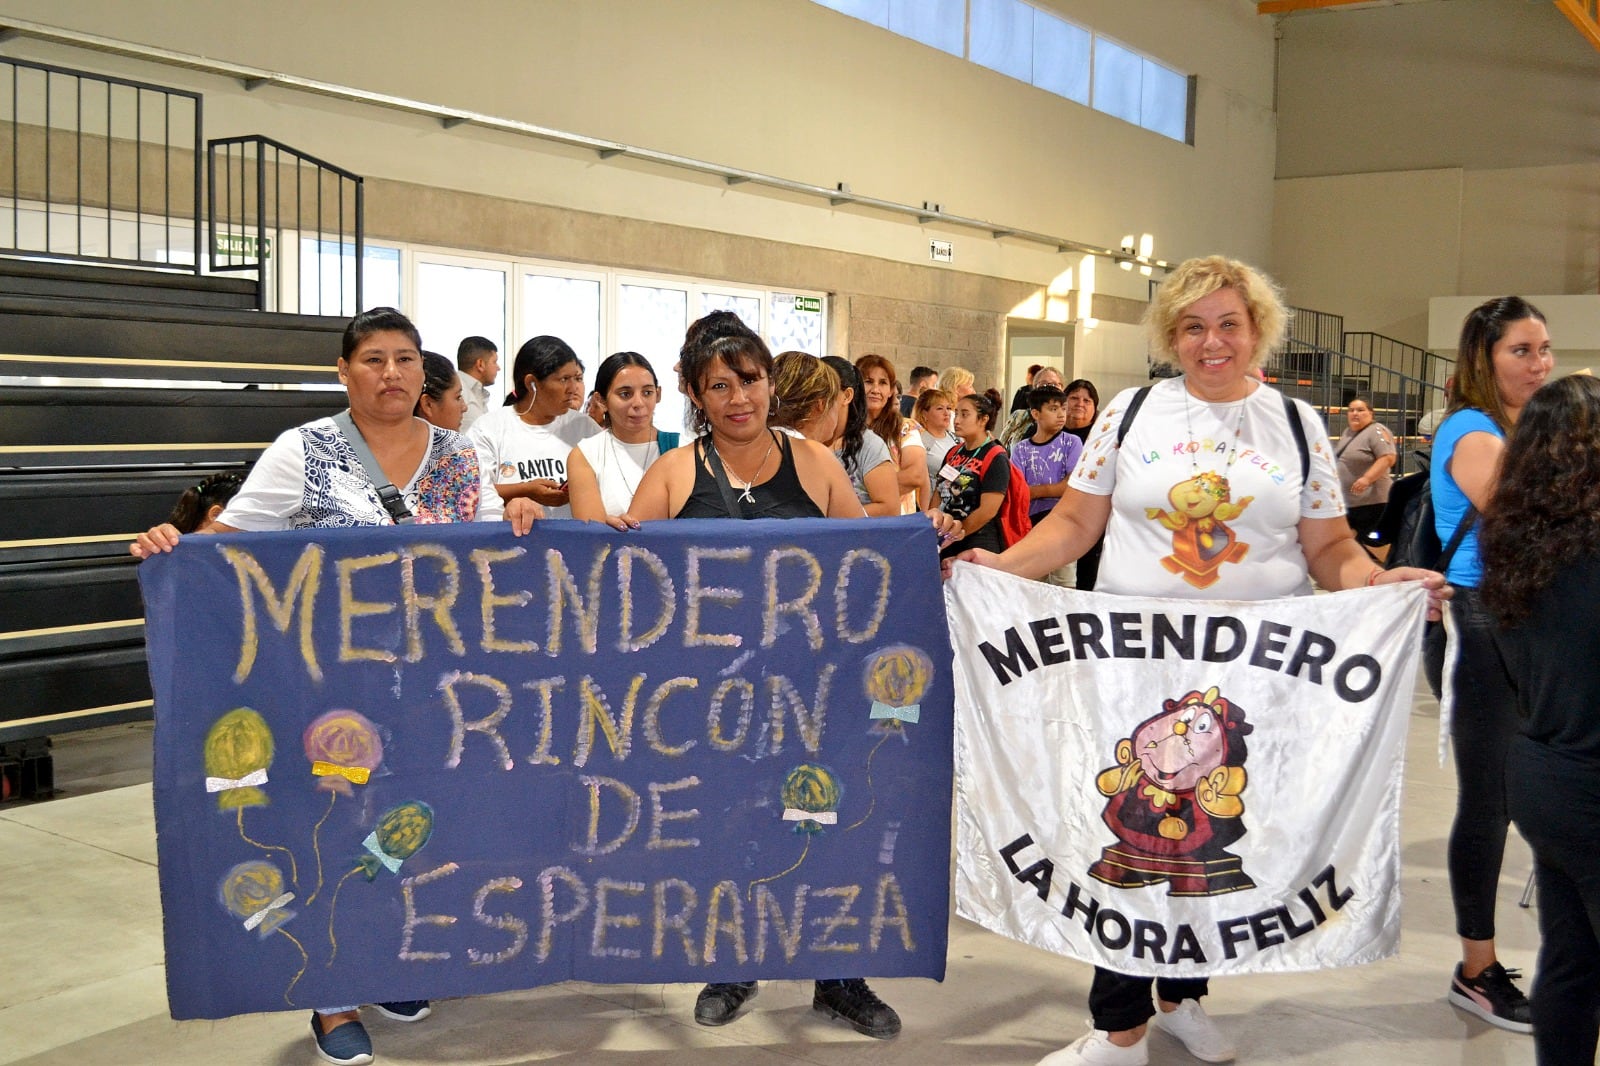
pixel 1096 1049
pixel 1196 1031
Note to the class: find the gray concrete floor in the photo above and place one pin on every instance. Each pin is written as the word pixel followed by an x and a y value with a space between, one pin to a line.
pixel 81 969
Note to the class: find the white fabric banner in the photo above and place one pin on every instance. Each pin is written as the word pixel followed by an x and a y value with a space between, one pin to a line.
pixel 1181 788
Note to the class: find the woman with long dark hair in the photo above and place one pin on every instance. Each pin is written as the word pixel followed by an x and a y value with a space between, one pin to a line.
pixel 976 476
pixel 441 403
pixel 525 444
pixel 865 456
pixel 1541 582
pixel 1504 357
pixel 1083 406
pixel 899 433
pixel 604 471
pixel 740 467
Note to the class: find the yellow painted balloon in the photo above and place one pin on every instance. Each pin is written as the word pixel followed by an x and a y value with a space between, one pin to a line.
pixel 898 675
pixel 811 789
pixel 249 889
pixel 238 745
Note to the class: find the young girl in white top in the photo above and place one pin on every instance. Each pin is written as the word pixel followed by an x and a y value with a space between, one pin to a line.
pixel 604 470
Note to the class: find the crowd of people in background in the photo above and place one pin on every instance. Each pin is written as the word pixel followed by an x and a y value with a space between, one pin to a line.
pixel 802 436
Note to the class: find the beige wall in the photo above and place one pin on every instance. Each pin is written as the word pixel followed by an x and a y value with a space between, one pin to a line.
pixel 1423 86
pixel 1430 150
pixel 1370 247
pixel 782 87
pixel 1376 247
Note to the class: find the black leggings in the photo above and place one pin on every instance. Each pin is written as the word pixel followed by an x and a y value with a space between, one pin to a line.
pixel 1555 798
pixel 1118 1002
pixel 1484 721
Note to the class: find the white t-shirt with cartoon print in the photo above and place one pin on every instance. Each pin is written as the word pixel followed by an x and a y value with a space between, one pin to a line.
pixel 1206 498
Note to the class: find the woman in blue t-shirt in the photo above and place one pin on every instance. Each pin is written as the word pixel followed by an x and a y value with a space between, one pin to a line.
pixel 1504 358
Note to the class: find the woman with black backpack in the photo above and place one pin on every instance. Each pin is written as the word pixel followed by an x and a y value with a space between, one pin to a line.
pixel 1222 489
pixel 1504 357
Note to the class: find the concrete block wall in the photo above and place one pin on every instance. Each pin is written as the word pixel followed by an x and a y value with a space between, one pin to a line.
pixel 910 333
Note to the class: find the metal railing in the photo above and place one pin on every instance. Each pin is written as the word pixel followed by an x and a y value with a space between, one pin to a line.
pixel 102 169
pixel 293 219
pixel 1328 380
pixel 1315 329
pixel 1406 358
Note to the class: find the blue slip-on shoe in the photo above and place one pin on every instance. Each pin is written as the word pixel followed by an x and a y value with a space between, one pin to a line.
pixel 405 1010
pixel 344 1045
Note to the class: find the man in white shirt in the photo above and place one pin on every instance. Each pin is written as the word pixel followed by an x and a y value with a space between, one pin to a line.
pixel 479 362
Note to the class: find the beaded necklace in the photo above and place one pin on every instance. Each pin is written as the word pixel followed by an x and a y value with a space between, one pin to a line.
pixel 1233 446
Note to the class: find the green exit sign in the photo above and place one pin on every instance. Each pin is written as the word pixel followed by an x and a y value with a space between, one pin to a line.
pixel 808 303
pixel 243 245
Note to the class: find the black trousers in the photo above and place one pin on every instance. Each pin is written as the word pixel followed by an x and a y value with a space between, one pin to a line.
pixel 1089 567
pixel 1484 722
pixel 1555 800
pixel 1118 1002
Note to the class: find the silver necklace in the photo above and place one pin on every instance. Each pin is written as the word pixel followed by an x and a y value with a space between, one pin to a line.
pixel 1233 447
pixel 747 496
pixel 622 472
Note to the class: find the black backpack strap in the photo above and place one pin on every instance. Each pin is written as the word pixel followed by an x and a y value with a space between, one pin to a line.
pixel 1298 428
pixel 1133 409
pixel 1468 520
pixel 392 499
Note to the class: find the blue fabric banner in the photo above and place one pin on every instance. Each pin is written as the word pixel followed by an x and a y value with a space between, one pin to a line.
pixel 432 761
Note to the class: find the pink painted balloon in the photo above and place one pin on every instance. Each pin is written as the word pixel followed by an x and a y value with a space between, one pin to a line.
pixel 343 738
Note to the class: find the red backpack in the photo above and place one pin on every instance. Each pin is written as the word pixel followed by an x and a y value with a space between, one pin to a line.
pixel 1014 520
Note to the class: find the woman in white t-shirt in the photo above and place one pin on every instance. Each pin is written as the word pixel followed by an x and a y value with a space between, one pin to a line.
pixel 311 477
pixel 604 470
pixel 525 444
pixel 1204 497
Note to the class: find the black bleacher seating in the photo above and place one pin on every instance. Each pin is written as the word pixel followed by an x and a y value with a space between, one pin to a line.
pixel 83 468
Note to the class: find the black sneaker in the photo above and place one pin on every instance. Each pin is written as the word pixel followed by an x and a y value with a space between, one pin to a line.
pixel 719 1004
pixel 857 1004
pixel 1494 997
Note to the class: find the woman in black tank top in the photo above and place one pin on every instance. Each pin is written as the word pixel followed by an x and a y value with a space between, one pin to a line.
pixel 780 496
pixel 739 468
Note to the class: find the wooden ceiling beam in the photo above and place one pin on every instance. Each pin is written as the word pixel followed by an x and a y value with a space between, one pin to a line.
pixel 1583 15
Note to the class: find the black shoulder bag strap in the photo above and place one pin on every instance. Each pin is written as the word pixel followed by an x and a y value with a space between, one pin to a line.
pixel 1298 428
pixel 1295 426
pixel 1133 409
pixel 391 498
pixel 714 464
pixel 1468 520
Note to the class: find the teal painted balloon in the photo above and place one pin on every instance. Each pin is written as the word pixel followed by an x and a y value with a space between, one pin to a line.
pixel 401 832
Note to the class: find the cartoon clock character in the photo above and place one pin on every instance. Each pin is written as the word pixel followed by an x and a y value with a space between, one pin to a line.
pixel 1201 539
pixel 1174 800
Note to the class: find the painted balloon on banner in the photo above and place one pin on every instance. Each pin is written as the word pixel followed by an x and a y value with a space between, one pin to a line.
pixel 344 747
pixel 238 750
